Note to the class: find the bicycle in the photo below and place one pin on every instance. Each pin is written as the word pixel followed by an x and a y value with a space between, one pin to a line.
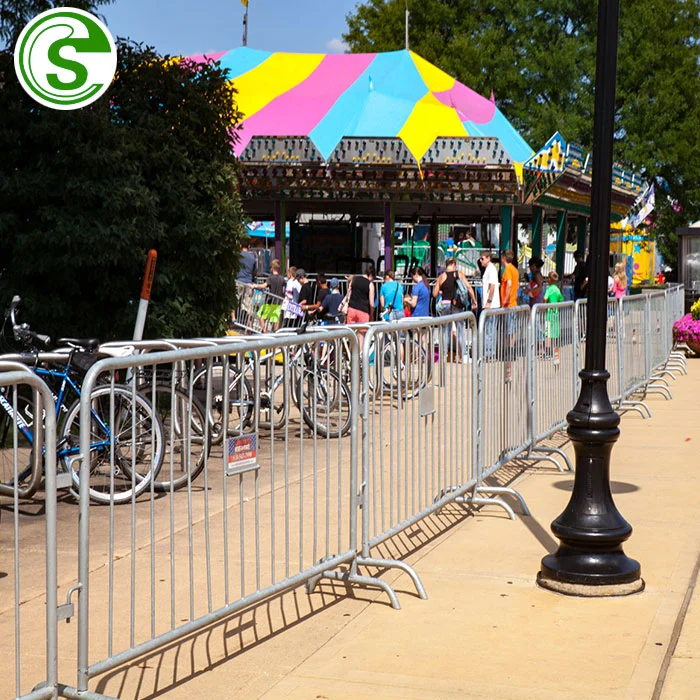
pixel 319 392
pixel 127 440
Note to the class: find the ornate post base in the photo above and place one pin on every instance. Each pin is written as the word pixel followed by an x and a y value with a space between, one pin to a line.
pixel 590 560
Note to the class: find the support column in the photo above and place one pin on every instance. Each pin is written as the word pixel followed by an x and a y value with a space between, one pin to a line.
pixel 537 225
pixel 561 242
pixel 389 236
pixel 281 234
pixel 590 560
pixel 581 234
pixel 433 245
pixel 506 228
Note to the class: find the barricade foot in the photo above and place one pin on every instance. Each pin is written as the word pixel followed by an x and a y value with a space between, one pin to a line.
pixel 631 405
pixel 504 489
pixel 66 691
pixel 554 450
pixel 478 500
pixel 395 564
pixel 664 391
pixel 349 577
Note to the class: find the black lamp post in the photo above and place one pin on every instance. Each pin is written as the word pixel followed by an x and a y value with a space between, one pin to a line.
pixel 590 560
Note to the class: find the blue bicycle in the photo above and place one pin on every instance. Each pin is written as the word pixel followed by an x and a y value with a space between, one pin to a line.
pixel 127 440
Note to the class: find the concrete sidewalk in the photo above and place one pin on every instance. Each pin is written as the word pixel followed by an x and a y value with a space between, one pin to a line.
pixel 486 631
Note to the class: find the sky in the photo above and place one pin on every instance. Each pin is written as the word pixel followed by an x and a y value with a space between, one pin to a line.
pixel 187 28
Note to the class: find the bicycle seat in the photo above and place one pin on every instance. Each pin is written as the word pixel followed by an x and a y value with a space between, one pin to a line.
pixel 85 343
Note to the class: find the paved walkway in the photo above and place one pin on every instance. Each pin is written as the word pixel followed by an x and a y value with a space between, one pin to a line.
pixel 486 631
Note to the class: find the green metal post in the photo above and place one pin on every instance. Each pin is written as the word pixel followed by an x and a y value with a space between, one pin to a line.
pixel 581 233
pixel 506 228
pixel 537 224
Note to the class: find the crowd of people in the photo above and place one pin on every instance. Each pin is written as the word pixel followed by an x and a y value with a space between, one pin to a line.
pixel 364 299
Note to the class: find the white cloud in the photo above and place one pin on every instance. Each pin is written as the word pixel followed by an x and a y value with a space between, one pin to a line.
pixel 336 46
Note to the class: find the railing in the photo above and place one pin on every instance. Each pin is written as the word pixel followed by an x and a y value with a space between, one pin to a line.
pixel 289 458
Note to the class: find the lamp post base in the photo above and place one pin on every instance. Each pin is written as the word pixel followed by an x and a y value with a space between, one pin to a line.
pixel 595 591
pixel 590 560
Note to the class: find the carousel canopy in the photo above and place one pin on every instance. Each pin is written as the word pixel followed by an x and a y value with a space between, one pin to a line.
pixel 336 99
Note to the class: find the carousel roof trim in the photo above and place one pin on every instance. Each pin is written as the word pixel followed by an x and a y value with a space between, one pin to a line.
pixel 331 97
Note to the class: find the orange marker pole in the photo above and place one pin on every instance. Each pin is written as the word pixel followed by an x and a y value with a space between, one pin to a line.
pixel 148 276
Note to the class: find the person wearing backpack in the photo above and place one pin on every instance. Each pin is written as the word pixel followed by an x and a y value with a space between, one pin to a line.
pixel 457 296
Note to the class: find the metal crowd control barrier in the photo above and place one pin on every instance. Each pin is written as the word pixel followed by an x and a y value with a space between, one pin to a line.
pixel 503 370
pixel 260 311
pixel 25 566
pixel 418 428
pixel 266 518
pixel 612 354
pixel 440 408
pixel 552 377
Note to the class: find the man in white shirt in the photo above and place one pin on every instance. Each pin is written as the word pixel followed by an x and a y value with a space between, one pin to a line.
pixel 490 299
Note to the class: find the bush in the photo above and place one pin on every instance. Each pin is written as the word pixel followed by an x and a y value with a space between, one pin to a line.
pixel 85 194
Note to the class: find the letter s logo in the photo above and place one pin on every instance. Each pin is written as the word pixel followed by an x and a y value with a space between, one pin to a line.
pixel 65 58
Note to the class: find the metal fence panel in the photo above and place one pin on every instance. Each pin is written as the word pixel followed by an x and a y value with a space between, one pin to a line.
pixel 632 335
pixel 272 507
pixel 612 346
pixel 24 397
pixel 418 381
pixel 553 378
pixel 503 371
pixel 658 332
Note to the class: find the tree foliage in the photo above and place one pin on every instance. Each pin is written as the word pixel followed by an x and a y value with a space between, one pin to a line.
pixel 539 58
pixel 15 14
pixel 85 194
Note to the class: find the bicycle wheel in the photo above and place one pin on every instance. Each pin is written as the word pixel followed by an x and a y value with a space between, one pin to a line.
pixel 185 445
pixel 405 367
pixel 240 399
pixel 127 443
pixel 27 480
pixel 325 402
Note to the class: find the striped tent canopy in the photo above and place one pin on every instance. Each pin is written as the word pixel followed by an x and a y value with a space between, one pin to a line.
pixel 329 97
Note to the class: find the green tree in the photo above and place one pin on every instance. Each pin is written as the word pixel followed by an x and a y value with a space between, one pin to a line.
pixel 539 58
pixel 85 194
pixel 14 14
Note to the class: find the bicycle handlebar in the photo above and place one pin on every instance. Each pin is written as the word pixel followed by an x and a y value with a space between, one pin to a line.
pixel 21 332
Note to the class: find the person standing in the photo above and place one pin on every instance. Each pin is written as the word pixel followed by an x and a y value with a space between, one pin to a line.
pixel 447 285
pixel 391 298
pixel 580 276
pixel 620 281
pixel 306 292
pixel 510 283
pixel 490 299
pixel 536 286
pixel 420 294
pixel 552 331
pixel 247 264
pixel 291 294
pixel 361 301
pixel 270 312
pixel 330 306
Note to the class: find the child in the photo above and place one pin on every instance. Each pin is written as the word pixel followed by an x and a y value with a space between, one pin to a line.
pixel 552 295
pixel 407 309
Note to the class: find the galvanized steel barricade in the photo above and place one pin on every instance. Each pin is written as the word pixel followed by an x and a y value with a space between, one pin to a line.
pixel 612 350
pixel 552 378
pixel 503 397
pixel 32 571
pixel 632 342
pixel 418 428
pixel 261 518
